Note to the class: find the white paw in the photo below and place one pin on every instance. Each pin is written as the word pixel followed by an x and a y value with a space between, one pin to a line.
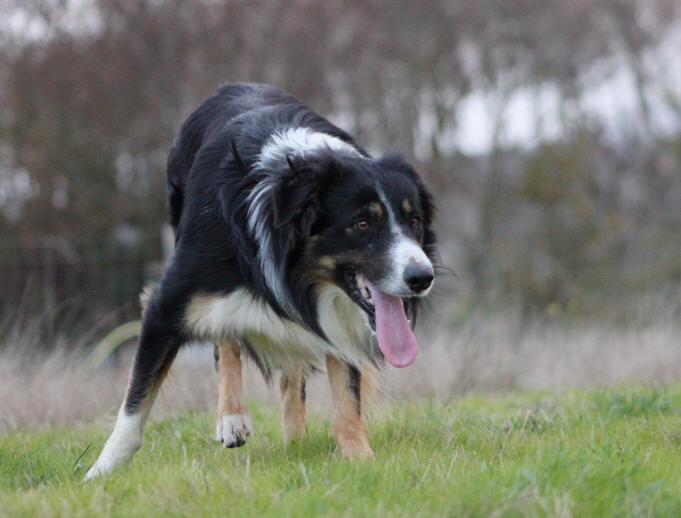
pixel 98 469
pixel 112 455
pixel 233 430
pixel 121 446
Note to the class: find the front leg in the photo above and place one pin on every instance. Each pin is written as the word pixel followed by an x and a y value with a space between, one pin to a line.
pixel 232 422
pixel 155 354
pixel 346 393
pixel 292 388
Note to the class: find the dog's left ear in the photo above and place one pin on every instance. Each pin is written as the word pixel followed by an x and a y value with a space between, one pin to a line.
pixel 296 197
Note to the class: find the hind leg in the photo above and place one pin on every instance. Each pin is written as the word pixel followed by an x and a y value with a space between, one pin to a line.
pixel 232 422
pixel 292 389
pixel 155 353
pixel 346 393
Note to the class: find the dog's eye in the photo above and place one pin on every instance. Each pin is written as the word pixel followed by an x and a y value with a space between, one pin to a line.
pixel 415 221
pixel 362 225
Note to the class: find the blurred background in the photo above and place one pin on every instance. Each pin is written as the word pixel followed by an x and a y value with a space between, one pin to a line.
pixel 550 131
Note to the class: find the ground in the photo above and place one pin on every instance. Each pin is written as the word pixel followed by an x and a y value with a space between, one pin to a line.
pixel 614 452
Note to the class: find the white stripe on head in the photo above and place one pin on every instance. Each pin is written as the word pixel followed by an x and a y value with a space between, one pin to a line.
pixel 391 214
pixel 403 250
pixel 292 142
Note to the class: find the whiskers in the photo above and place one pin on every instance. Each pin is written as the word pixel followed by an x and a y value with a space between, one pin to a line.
pixel 442 271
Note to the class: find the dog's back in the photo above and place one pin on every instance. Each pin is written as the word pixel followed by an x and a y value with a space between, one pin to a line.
pixel 229 102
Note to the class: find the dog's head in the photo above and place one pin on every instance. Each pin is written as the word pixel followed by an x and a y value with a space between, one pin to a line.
pixel 362 224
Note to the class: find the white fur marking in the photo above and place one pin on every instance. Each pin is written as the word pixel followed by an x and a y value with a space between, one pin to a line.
pixel 232 430
pixel 259 227
pixel 281 343
pixel 404 249
pixel 297 142
pixel 124 441
pixel 391 215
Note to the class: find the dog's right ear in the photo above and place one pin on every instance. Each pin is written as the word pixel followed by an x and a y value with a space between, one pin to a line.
pixel 237 158
pixel 296 196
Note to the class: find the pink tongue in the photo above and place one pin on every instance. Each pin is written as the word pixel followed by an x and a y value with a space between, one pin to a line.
pixel 395 339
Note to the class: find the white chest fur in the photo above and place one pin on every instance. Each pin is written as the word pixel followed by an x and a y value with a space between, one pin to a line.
pixel 283 344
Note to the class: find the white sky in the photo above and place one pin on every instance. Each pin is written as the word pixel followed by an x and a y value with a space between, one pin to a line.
pixel 612 101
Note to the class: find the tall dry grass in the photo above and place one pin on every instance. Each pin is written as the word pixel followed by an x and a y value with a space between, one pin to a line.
pixel 486 352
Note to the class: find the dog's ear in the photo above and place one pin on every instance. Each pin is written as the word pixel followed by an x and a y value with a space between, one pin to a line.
pixel 296 197
pixel 237 158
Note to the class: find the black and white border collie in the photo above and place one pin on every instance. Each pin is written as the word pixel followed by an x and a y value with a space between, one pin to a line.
pixel 294 247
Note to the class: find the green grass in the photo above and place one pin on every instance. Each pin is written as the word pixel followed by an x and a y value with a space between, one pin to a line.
pixel 576 453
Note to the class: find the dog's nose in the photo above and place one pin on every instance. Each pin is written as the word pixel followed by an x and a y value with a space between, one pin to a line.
pixel 418 276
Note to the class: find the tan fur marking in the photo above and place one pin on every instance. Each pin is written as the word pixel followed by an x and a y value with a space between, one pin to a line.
pixel 368 388
pixel 197 310
pixel 376 208
pixel 348 428
pixel 406 206
pixel 327 262
pixel 230 388
pixel 292 406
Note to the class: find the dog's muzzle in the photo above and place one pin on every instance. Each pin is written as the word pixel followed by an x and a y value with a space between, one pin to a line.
pixel 418 276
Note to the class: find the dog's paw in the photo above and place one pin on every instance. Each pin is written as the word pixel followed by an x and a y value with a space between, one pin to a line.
pixel 97 470
pixel 233 430
pixel 357 452
pixel 113 454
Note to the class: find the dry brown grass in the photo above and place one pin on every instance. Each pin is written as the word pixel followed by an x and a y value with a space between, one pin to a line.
pixel 486 353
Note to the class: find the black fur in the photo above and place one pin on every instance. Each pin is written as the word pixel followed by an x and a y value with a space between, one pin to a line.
pixel 211 175
pixel 355 385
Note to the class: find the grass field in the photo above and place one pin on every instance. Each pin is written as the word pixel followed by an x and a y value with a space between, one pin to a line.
pixel 574 453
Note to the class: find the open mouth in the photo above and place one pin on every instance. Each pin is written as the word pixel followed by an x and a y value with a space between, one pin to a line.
pixel 358 289
pixel 387 318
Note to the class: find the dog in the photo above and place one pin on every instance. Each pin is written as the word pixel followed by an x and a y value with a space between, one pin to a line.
pixel 294 247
